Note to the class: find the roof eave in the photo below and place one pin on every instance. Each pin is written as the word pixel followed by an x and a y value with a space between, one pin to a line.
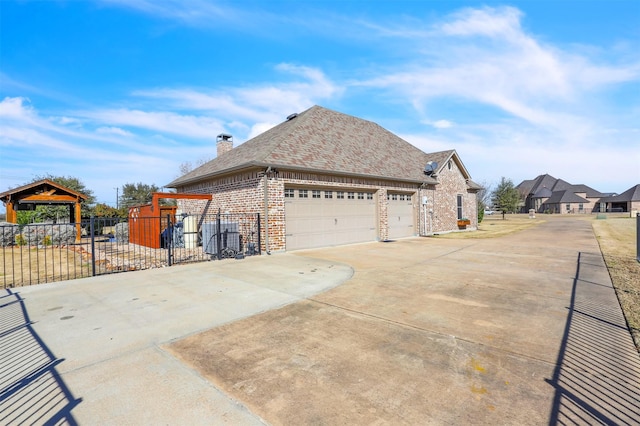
pixel 259 164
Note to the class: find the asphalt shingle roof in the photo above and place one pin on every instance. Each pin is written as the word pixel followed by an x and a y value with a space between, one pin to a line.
pixel 565 196
pixel 543 192
pixel 631 194
pixel 323 140
pixel 545 184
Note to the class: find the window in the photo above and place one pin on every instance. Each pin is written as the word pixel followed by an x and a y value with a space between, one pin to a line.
pixel 360 195
pixel 369 196
pixel 303 193
pixel 568 207
pixel 581 207
pixel 328 194
pixel 351 195
pixel 315 194
pixel 401 197
pixel 459 201
pixel 340 195
pixel 288 193
pixel 394 197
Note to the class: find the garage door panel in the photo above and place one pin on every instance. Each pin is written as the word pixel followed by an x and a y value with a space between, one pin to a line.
pixel 400 217
pixel 321 222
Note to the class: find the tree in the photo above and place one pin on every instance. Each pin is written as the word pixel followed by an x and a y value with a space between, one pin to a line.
pixel 135 194
pixel 483 197
pixel 187 166
pixel 506 196
pixel 71 183
pixel 104 210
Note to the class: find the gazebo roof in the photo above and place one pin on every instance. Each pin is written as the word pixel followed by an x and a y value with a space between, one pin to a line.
pixel 44 191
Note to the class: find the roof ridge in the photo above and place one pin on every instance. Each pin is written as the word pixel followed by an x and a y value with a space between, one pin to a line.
pixel 327 141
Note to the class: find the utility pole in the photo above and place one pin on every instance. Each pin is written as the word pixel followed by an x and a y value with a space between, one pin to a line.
pixel 117 198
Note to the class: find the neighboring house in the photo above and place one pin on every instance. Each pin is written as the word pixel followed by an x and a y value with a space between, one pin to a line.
pixel 323 178
pixel 546 194
pixel 628 201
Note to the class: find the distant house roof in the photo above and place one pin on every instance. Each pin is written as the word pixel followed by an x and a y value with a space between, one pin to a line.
pixel 539 186
pixel 631 194
pixel 542 181
pixel 543 192
pixel 591 193
pixel 565 196
pixel 326 141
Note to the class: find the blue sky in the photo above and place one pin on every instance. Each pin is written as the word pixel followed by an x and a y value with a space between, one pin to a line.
pixel 124 91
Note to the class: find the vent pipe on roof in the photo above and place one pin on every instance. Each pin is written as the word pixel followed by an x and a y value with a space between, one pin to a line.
pixel 292 116
pixel 224 143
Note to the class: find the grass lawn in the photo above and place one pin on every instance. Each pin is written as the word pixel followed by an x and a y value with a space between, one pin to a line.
pixel 617 239
pixel 25 266
pixel 494 226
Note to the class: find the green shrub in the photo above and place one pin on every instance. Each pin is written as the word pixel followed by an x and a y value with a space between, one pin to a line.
pixel 20 240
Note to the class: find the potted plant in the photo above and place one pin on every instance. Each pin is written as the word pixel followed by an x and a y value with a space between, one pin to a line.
pixel 462 223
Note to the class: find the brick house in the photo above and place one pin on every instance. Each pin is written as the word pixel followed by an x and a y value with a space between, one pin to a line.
pixel 628 201
pixel 323 178
pixel 546 194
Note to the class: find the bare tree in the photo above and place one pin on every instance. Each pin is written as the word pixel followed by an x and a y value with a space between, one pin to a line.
pixel 483 198
pixel 188 166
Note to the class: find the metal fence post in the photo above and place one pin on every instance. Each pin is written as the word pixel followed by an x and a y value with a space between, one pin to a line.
pixel 169 239
pixel 259 237
pixel 93 247
pixel 638 236
pixel 219 236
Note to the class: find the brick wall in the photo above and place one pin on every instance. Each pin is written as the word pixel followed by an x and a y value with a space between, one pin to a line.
pixel 244 193
pixel 443 201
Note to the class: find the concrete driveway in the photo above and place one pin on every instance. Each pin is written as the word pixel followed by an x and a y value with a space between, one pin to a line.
pixel 523 329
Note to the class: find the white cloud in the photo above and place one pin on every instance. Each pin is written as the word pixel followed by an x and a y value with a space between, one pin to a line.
pixel 168 122
pixel 192 12
pixel 439 124
pixel 15 108
pixel 114 131
pixel 258 103
pixel 68 120
pixel 547 98
pixel 37 146
pixel 259 128
pixel 503 22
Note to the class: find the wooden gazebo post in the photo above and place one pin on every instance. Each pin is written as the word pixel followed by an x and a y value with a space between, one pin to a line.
pixel 78 220
pixel 12 216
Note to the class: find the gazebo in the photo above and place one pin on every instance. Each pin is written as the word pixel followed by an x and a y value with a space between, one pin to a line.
pixel 43 192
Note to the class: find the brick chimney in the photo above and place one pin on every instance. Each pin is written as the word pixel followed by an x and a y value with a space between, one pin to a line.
pixel 224 143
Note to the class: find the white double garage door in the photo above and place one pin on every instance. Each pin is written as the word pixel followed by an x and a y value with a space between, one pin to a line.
pixel 322 217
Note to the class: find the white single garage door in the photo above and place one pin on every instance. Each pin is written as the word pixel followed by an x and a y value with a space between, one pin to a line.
pixel 321 218
pixel 400 215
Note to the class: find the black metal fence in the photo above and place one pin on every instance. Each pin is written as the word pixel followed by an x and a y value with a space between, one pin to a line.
pixel 41 253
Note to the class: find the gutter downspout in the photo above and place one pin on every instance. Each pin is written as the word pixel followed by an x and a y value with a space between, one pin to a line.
pixel 266 210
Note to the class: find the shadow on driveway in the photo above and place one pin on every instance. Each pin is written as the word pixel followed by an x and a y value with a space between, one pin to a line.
pixel 31 390
pixel 594 379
